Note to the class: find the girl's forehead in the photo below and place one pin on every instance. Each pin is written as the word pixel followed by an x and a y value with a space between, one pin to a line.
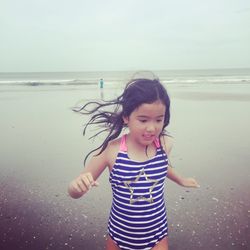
pixel 156 108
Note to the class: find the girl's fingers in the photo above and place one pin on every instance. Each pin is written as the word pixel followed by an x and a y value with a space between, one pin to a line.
pixel 87 180
pixel 194 183
pixel 77 187
pixel 191 182
pixel 197 184
pixel 81 185
pixel 95 184
pixel 92 182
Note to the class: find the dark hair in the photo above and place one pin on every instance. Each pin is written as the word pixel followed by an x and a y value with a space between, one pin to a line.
pixel 136 93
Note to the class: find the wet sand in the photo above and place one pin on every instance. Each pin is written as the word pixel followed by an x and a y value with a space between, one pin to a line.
pixel 42 149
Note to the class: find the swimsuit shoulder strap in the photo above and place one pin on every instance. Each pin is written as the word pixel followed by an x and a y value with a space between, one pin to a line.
pixel 123 145
pixel 157 143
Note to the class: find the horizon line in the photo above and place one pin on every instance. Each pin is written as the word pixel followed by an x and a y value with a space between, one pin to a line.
pixel 129 70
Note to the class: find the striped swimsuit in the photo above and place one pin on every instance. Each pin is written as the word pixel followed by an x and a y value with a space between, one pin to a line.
pixel 138 218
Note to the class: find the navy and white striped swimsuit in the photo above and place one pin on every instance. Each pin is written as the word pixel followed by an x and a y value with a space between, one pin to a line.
pixel 138 218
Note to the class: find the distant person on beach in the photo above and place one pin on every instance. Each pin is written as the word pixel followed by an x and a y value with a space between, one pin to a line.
pixel 138 162
pixel 101 83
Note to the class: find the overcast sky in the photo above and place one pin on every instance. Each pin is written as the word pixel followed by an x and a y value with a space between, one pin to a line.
pixel 80 35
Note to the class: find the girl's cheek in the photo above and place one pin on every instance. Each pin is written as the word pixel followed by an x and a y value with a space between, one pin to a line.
pixel 161 126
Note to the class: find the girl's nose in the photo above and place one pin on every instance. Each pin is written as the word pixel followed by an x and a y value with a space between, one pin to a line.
pixel 150 128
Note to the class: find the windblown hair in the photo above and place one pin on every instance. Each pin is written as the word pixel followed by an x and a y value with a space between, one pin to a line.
pixel 136 93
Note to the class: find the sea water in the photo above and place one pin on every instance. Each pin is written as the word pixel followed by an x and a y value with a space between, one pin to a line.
pixel 235 83
pixel 113 78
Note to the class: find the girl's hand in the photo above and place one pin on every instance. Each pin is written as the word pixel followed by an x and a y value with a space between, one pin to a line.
pixel 189 182
pixel 81 185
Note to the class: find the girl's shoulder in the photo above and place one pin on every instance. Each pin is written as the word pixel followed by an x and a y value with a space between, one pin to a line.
pixel 115 144
pixel 167 143
pixel 112 150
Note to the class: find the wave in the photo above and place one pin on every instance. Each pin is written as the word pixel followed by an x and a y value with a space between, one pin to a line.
pixel 207 81
pixel 47 82
pixel 118 82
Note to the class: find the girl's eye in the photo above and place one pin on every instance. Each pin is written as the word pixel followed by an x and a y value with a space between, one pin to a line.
pixel 143 121
pixel 159 120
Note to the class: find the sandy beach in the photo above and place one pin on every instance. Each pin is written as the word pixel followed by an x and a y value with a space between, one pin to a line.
pixel 42 149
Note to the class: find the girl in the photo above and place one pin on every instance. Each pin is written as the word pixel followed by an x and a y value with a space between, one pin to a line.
pixel 138 164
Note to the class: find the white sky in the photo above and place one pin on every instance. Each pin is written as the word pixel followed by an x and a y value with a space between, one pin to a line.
pixel 80 35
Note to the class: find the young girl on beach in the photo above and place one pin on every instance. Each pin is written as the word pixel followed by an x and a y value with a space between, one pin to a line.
pixel 138 163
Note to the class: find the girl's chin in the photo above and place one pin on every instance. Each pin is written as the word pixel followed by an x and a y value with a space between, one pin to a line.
pixel 148 140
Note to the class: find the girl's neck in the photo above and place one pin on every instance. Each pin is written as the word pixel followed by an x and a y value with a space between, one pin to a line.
pixel 138 151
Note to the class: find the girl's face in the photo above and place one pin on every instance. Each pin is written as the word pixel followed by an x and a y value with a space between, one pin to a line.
pixel 146 122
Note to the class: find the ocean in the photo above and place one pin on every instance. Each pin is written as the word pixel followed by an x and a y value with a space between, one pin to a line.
pixel 116 78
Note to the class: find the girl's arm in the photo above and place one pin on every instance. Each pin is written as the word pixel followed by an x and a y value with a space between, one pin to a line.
pixel 167 143
pixel 87 179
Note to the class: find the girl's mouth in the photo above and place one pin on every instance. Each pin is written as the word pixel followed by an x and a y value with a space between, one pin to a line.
pixel 148 137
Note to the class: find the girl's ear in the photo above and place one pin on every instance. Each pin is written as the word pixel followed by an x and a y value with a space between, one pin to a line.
pixel 125 119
